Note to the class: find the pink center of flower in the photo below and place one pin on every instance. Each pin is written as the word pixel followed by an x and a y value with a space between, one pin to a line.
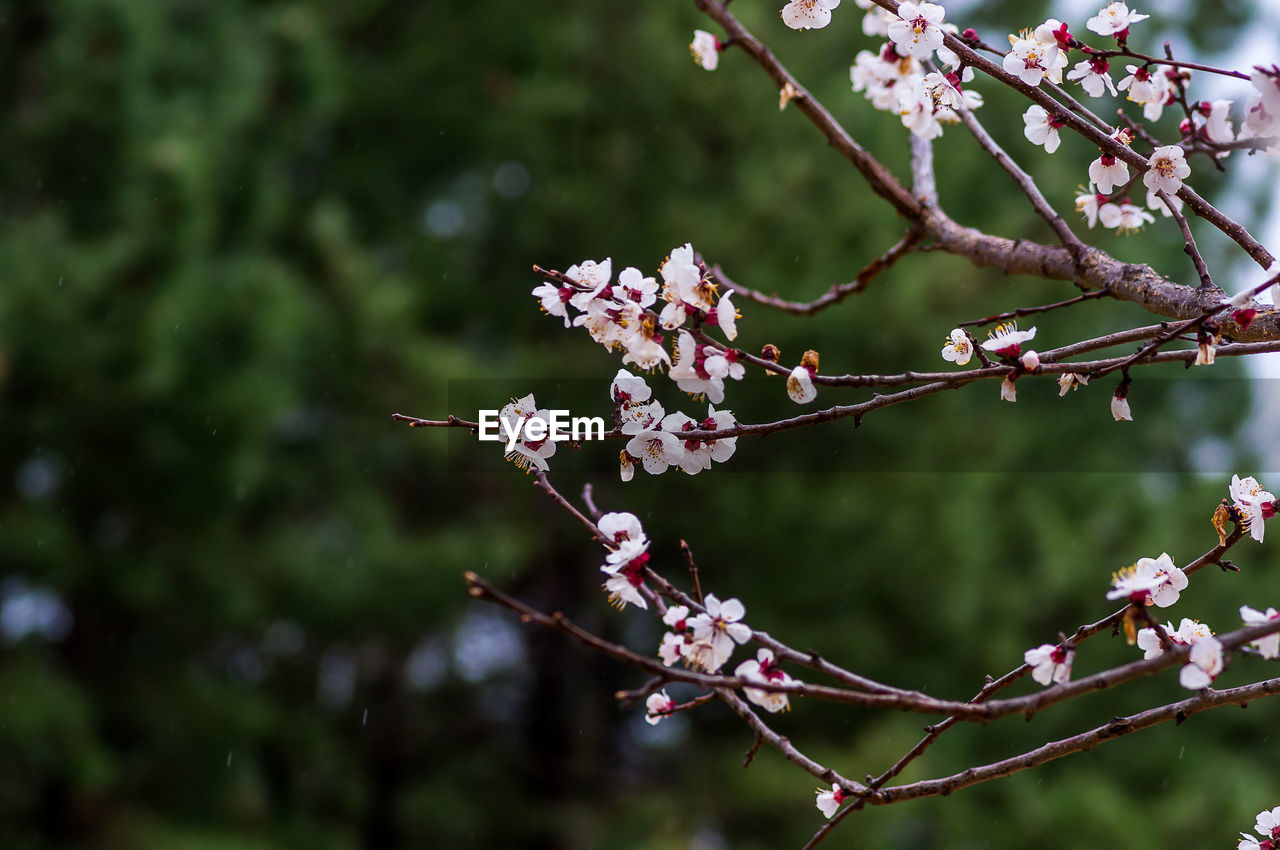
pixel 633 572
pixel 1244 316
pixel 1099 65
pixel 1063 37
pixel 1268 509
pixel 1059 655
pixel 1141 75
pixel 1107 160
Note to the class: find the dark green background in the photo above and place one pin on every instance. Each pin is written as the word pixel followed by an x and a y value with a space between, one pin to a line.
pixel 220 278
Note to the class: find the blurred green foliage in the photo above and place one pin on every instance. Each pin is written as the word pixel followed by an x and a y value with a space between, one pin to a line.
pixel 237 236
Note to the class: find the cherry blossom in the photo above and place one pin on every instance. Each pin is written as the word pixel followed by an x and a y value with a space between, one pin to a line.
pixel 1188 632
pixel 763 668
pixel 1151 581
pixel 673 642
pixel 1107 173
pixel 719 628
pixel 1006 340
pixel 1269 646
pixel 628 389
pixel 705 49
pixel 626 575
pixel 800 382
pixel 1114 19
pixel 656 450
pixel 554 299
pixel 644 346
pixel 698 454
pixel 725 316
pixel 1008 392
pixel 1168 168
pixel 882 75
pixel 875 22
pixel 828 802
pixel 1092 74
pixel 1031 60
pixel 1089 203
pixel 942 91
pixel 958 349
pixel 918 30
pixel 1030 360
pixel 1267 823
pixel 632 285
pixel 1124 217
pixel 1217 125
pixel 1204 663
pixel 1049 663
pixel 1069 381
pixel 641 417
pixel 808 14
pixel 526 454
pixel 1120 409
pixel 658 706
pixel 593 277
pixel 1254 505
pixel 1041 128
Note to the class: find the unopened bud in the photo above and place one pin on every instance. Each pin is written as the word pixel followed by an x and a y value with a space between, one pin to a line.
pixel 1031 361
pixel 770 352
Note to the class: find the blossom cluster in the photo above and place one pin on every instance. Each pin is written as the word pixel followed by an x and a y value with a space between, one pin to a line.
pixel 1267 824
pixel 895 79
pixel 619 316
pixel 655 442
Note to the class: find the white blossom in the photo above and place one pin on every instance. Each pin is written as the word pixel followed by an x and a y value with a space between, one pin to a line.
pixel 1217 125
pixel 658 706
pixel 627 388
pixel 1151 581
pixel 1268 823
pixel 1069 381
pixel 1204 663
pixel 705 49
pixel 1269 646
pixel 1167 169
pixel 1124 217
pixel 828 802
pixel 1107 173
pixel 1006 340
pixel 808 14
pixel 1114 18
pixel 1030 60
pixel 800 385
pixel 1041 128
pixel 1254 504
pixel 632 285
pixel 1188 632
pixel 592 276
pixel 1008 392
pixel 763 668
pixel 958 349
pixel 1093 75
pixel 656 450
pixel 918 30
pixel 1049 663
pixel 1120 409
pixel 719 627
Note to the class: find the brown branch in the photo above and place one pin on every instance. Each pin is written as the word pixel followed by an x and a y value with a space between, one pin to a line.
pixel 1177 711
pixel 838 291
pixel 1031 311
pixel 1189 242
pixel 1024 181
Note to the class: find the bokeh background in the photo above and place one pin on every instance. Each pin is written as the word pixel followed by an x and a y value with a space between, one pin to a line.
pixel 236 236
